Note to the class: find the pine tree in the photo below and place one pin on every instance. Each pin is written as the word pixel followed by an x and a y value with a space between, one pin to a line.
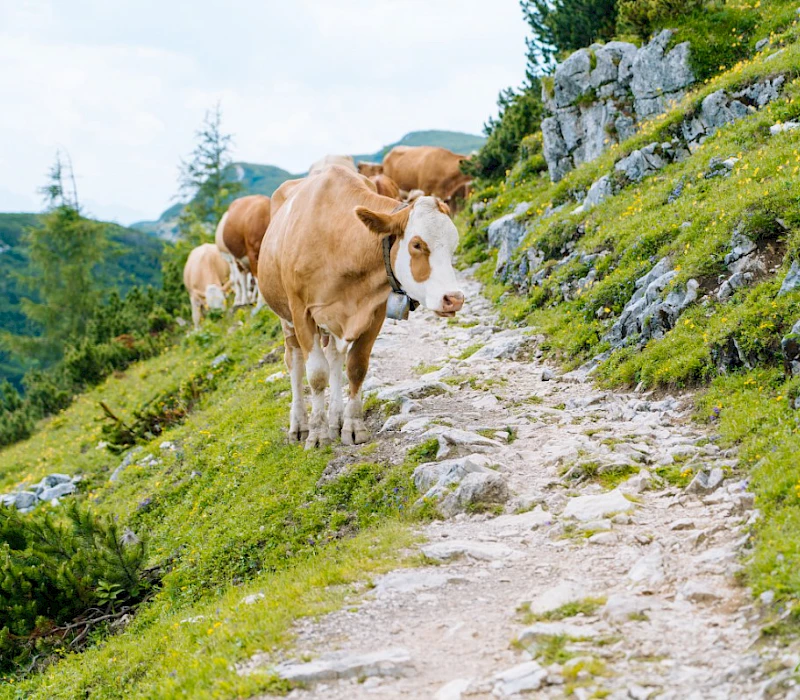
pixel 207 179
pixel 64 255
pixel 55 566
pixel 561 26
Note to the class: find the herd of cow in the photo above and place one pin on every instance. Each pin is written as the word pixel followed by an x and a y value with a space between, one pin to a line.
pixel 327 252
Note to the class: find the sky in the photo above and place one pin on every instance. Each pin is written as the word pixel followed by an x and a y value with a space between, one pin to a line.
pixel 123 85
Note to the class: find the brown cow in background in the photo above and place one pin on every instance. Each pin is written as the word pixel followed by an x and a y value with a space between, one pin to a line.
pixel 370 169
pixel 239 235
pixel 436 171
pixel 384 185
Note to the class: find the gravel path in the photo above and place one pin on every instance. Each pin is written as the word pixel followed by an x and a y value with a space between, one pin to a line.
pixel 646 570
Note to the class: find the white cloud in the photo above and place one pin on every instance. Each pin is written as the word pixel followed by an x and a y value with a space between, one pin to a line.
pixel 123 88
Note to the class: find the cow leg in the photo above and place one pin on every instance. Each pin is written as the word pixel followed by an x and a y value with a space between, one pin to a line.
pixel 336 353
pixel 197 311
pixel 298 420
pixel 317 373
pixel 354 429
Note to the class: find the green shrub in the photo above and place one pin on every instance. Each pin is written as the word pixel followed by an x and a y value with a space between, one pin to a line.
pixel 643 17
pixel 55 568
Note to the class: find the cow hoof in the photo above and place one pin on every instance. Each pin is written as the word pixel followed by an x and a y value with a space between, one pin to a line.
pixel 298 434
pixel 354 432
pixel 317 439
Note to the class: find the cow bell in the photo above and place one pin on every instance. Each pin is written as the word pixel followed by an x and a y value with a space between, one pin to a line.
pixel 397 306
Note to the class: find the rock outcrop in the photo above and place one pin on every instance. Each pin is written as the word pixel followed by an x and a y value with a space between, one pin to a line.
pixel 654 307
pixel 600 93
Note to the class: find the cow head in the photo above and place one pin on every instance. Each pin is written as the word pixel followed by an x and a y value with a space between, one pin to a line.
pixel 422 258
pixel 215 297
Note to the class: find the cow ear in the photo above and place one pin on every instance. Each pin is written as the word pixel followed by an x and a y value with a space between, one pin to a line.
pixel 393 224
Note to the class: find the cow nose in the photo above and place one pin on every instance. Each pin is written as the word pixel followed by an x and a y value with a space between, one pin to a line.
pixel 452 302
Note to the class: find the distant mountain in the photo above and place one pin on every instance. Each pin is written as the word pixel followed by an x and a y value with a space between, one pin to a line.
pixel 137 261
pixel 265 179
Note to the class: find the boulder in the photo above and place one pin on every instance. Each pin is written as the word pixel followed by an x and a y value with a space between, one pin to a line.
pixel 450 471
pixel 21 500
pixel 475 490
pixel 482 551
pixel 659 77
pixel 523 678
pixel 792 280
pixel 596 507
pixel 506 233
pixel 650 313
pixel 391 663
pixel 505 345
pixel 705 482
pixel 56 491
pixel 454 438
pixel 600 191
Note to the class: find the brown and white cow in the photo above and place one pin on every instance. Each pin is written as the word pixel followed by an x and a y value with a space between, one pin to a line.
pixel 239 234
pixel 205 277
pixel 322 271
pixel 328 161
pixel 384 185
pixel 436 171
pixel 369 169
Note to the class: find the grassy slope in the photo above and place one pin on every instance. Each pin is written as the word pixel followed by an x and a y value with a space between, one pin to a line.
pixel 234 511
pixel 638 226
pixel 137 261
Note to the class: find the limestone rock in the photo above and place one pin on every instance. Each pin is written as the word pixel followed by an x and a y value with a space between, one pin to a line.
pixel 413 389
pixel 654 307
pixel 505 345
pixel 556 596
pixel 56 491
pixel 790 345
pixel 699 592
pixel 601 190
pixel 506 233
pixel 453 690
pixel 476 489
pixel 706 481
pixel 649 569
pixel 453 549
pixel 522 678
pixel 392 663
pixel 621 607
pixel 454 438
pixel 792 280
pixel 587 508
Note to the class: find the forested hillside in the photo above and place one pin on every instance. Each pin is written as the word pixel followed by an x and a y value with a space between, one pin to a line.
pixel 134 259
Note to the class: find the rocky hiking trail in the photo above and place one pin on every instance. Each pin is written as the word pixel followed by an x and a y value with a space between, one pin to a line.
pixel 565 587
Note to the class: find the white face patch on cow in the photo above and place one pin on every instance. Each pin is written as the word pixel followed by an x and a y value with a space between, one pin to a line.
pixel 430 226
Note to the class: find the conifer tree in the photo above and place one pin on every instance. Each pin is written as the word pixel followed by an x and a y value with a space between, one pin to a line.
pixel 207 180
pixel 560 26
pixel 64 255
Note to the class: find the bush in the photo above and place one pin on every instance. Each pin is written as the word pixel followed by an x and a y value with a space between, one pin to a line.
pixel 643 17
pixel 56 568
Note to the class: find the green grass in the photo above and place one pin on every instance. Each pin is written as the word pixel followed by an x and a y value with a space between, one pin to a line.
pixel 585 606
pixel 233 510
